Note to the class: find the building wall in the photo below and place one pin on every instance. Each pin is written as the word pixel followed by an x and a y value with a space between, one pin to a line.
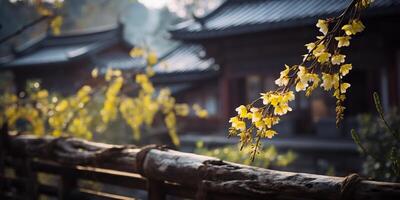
pixel 251 62
pixel 63 78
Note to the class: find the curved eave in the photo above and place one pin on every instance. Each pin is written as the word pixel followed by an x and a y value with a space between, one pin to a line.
pixel 70 58
pixel 182 77
pixel 182 34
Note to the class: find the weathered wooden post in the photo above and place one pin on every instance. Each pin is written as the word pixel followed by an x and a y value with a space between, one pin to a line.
pixel 155 190
pixel 67 186
pixel 30 176
pixel 182 174
pixel 3 131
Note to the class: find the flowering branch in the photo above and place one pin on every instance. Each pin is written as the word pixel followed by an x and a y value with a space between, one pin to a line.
pixel 323 62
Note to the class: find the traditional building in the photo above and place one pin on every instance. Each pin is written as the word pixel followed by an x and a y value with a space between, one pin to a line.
pixel 191 76
pixel 252 40
pixel 63 63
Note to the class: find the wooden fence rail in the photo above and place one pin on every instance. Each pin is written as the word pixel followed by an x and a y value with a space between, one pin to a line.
pixel 160 173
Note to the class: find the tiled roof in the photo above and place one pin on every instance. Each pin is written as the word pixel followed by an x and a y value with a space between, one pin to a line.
pixel 57 49
pixel 185 58
pixel 244 16
pixel 118 59
pixel 55 54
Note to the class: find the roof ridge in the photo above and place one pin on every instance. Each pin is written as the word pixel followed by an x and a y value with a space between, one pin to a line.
pixel 89 31
pixel 235 17
pixel 203 18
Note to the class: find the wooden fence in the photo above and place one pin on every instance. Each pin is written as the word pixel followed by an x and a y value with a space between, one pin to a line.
pixel 159 173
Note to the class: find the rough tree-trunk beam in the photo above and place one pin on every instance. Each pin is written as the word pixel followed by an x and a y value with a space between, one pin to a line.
pixel 214 176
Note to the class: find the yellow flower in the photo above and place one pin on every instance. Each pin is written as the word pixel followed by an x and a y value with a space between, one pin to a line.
pixel 283 80
pixel 354 27
pixel 116 73
pixel 282 109
pixel 95 73
pixel 109 73
pixel 344 87
pixel 270 133
pixel 310 46
pixel 319 49
pixel 56 133
pixel 150 71
pixel 242 111
pixel 63 105
pixel 348 29
pixel 148 87
pixel 42 94
pixel 136 52
pixel 365 3
pixel 141 78
pixel 323 57
pixel 302 84
pixel 259 125
pixel 345 69
pixel 182 109
pixel 256 114
pixel 288 96
pixel 270 121
pixel 85 90
pixel 56 24
pixel 314 78
pixel 273 99
pixel 237 124
pixel 43 11
pixel 152 58
pixel 337 59
pixel 201 113
pixel 279 101
pixel 265 97
pixel 323 26
pixel 343 41
pixel 358 26
pixel 302 72
pixel 329 81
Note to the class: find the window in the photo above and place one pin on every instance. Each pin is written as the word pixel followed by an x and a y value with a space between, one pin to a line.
pixel 253 88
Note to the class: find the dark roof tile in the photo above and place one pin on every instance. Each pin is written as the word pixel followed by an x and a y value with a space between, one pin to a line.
pixel 185 58
pixel 240 16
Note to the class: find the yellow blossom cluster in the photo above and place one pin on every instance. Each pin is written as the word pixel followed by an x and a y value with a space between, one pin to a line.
pixel 50 9
pixel 69 114
pixel 96 107
pixel 40 113
pixel 323 66
pixel 109 111
pixel 144 107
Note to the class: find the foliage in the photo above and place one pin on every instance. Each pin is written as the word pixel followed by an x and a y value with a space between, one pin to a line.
pixel 40 112
pixel 378 139
pixel 323 62
pixel 268 157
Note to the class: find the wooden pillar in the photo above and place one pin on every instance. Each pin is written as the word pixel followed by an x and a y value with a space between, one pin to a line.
pixel 3 131
pixel 68 185
pixel 31 183
pixel 155 190
pixel 224 100
pixel 394 79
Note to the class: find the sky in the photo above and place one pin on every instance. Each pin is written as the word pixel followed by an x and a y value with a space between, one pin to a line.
pixel 183 8
pixel 156 4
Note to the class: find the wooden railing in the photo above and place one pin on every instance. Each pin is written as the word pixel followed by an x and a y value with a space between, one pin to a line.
pixel 159 173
